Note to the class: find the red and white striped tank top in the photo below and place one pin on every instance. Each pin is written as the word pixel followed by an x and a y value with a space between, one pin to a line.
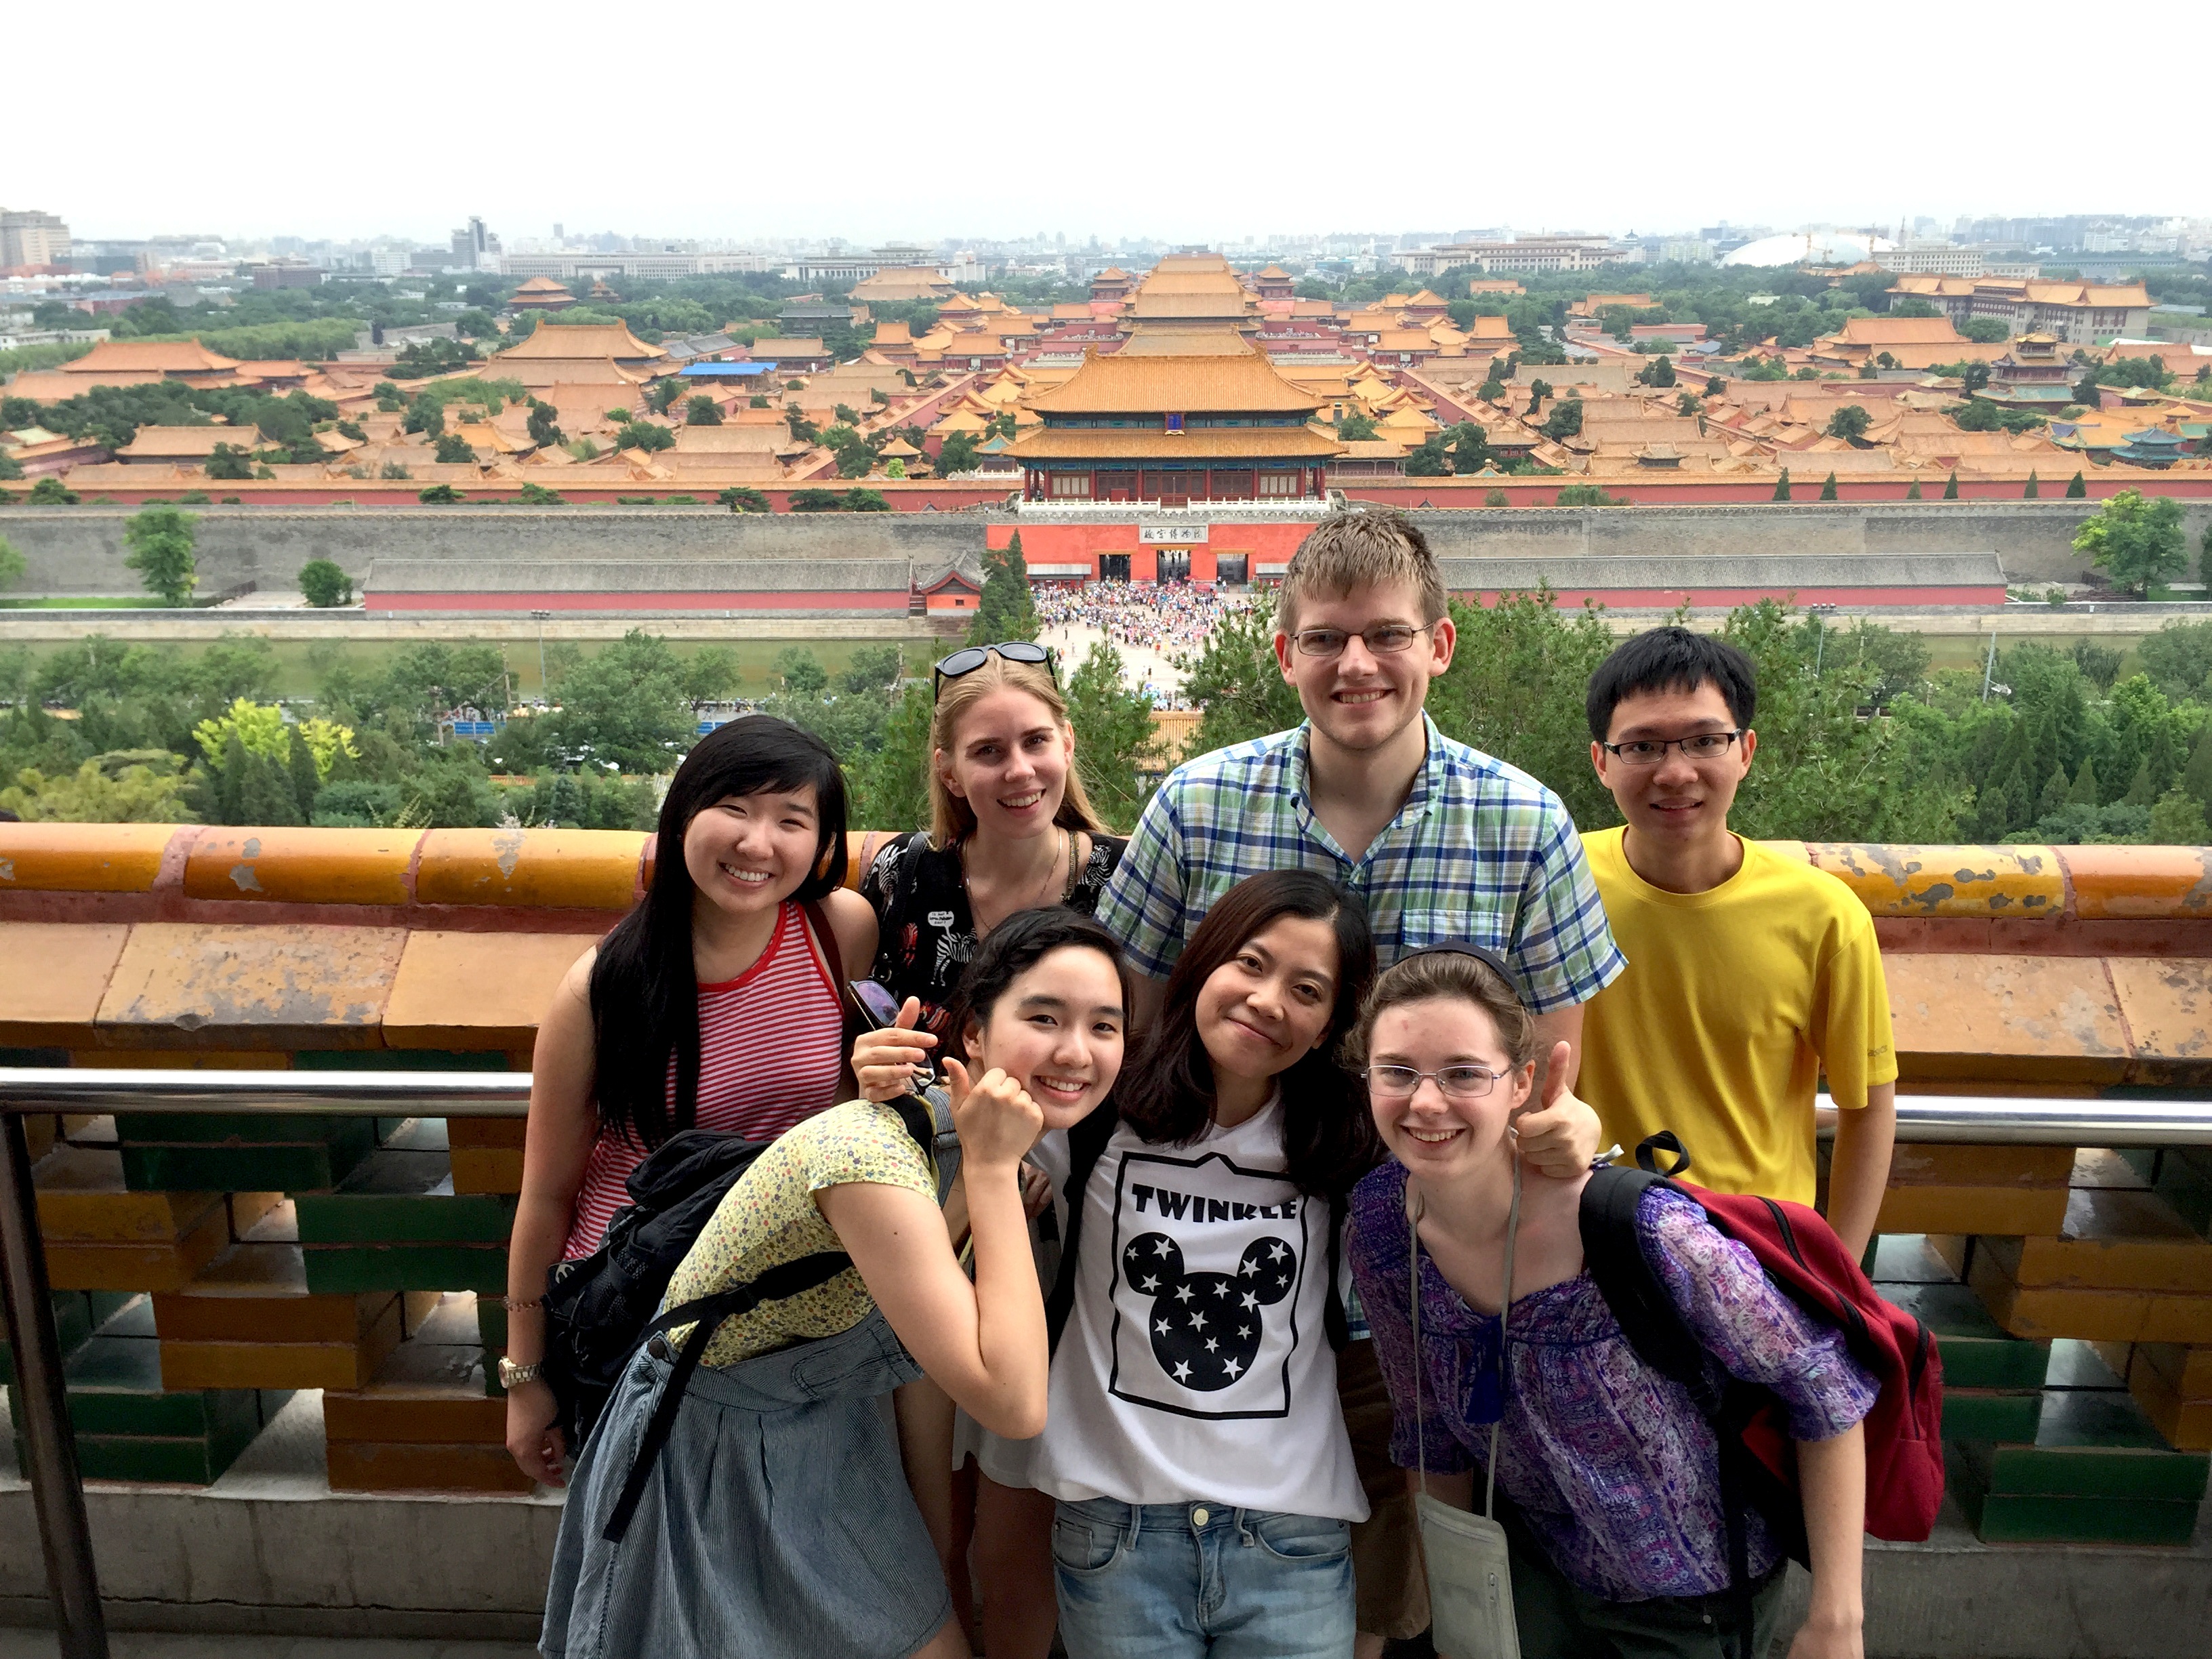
pixel 770 1041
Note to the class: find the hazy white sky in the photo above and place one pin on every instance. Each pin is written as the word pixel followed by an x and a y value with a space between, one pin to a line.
pixel 1190 120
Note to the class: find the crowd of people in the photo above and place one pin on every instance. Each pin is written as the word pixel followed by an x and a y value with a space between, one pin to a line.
pixel 1173 618
pixel 1213 1207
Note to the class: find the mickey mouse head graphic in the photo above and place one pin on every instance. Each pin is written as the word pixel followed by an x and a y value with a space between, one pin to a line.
pixel 1205 1328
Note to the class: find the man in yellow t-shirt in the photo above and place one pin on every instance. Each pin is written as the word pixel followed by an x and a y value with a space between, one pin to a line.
pixel 1750 975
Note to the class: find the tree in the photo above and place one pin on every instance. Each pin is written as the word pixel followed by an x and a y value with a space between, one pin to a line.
pixel 2033 490
pixel 2076 489
pixel 1828 488
pixel 425 414
pixel 703 410
pixel 1588 494
pixel 816 501
pixel 544 430
pixel 2176 819
pixel 443 495
pixel 161 542
pixel 1237 684
pixel 1976 377
pixel 2139 542
pixel 1353 426
pixel 1688 402
pixel 1913 491
pixel 1427 459
pixel 1007 610
pixel 801 672
pixel 228 461
pixel 1538 390
pixel 624 706
pixel 1660 372
pixel 324 584
pixel 131 787
pixel 866 500
pixel 958 455
pixel 1951 487
pixel 1716 387
pixel 1470 448
pixel 537 495
pixel 645 436
pixel 453 449
pixel 1114 739
pixel 2100 664
pixel 11 563
pixel 739 498
pixel 1850 424
pixel 2085 790
pixel 664 394
pixel 1782 486
pixel 1985 331
pixel 1565 420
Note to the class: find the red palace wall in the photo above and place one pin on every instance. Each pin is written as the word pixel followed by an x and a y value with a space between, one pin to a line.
pixel 1271 542
pixel 896 604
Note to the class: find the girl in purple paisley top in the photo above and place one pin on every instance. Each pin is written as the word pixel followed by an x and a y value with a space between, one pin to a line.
pixel 1618 1541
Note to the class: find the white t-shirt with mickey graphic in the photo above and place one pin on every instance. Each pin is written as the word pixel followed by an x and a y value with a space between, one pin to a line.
pixel 1196 1364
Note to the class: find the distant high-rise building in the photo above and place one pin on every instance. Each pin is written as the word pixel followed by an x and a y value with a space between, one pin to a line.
pixel 28 237
pixel 474 247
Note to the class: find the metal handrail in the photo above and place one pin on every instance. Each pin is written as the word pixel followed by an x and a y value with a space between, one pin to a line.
pixel 50 1444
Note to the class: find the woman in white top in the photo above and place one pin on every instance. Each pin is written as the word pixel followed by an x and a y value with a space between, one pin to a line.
pixel 1193 1438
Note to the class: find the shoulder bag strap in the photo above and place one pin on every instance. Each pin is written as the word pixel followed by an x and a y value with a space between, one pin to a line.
pixel 1504 1311
pixel 1086 1144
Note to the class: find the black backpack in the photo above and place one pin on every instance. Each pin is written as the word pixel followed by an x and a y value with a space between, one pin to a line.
pixel 601 1308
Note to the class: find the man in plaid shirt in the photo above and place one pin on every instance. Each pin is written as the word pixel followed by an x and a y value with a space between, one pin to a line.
pixel 1440 840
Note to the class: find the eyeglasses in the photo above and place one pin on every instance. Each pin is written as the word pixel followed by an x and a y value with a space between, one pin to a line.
pixel 1457 1082
pixel 968 659
pixel 1383 640
pixel 1650 751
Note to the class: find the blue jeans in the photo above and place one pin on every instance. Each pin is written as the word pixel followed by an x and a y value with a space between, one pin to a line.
pixel 1162 1580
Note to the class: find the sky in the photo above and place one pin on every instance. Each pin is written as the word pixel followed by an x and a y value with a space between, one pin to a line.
pixel 1191 121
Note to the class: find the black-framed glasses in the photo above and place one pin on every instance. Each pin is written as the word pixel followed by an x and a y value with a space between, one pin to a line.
pixel 1650 751
pixel 969 658
pixel 1383 639
pixel 1457 1082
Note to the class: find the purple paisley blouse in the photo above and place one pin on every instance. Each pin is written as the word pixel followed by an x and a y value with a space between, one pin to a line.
pixel 1609 1461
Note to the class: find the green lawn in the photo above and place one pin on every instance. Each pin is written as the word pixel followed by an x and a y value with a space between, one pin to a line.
pixel 128 602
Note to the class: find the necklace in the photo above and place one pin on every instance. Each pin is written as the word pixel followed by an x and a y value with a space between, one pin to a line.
pixel 1041 893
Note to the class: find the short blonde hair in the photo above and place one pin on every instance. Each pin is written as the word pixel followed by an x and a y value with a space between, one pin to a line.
pixel 952 820
pixel 1376 548
pixel 1450 976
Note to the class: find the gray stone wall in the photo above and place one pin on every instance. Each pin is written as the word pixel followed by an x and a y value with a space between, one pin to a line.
pixel 79 550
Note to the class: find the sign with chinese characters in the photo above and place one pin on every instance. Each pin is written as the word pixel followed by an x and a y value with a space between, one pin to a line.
pixel 1171 535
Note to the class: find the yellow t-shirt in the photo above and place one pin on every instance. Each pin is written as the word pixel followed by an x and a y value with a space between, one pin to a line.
pixel 1734 1003
pixel 770 1218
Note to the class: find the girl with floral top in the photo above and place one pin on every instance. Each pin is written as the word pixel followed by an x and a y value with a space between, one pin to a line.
pixel 775 1521
pixel 1612 1473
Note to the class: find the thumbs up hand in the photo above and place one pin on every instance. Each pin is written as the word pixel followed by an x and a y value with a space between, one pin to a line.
pixel 1559 1135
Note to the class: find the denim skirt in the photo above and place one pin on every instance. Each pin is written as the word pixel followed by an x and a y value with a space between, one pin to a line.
pixel 777 1523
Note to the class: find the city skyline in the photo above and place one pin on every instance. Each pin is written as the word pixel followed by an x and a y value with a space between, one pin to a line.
pixel 793 136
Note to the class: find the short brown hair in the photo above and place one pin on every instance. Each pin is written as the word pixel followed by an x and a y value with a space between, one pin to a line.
pixel 1376 546
pixel 1447 975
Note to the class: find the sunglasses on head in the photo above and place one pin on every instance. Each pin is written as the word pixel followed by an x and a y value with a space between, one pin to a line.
pixel 971 657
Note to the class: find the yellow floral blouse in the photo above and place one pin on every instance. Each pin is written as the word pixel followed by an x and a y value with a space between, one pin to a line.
pixel 770 1218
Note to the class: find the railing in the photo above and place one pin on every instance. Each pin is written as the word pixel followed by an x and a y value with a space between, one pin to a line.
pixel 50 1443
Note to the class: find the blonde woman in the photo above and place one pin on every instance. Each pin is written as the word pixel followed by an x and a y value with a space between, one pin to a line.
pixel 1010 829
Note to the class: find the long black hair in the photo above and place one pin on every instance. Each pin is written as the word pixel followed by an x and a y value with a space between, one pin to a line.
pixel 1011 949
pixel 645 990
pixel 1329 1138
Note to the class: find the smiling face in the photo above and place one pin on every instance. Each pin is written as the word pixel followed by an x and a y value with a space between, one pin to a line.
pixel 1264 1010
pixel 1009 762
pixel 1057 1031
pixel 747 853
pixel 1435 1136
pixel 1681 802
pixel 1361 699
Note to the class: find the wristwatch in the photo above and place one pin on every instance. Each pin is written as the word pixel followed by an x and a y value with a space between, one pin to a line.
pixel 513 1375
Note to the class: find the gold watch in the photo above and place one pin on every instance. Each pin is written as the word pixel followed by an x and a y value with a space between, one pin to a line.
pixel 513 1376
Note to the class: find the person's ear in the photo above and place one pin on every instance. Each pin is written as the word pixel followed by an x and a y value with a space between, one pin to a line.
pixel 971 1040
pixel 945 775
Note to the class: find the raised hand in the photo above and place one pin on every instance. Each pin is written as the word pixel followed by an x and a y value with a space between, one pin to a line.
pixel 996 1120
pixel 883 1061
pixel 1559 1136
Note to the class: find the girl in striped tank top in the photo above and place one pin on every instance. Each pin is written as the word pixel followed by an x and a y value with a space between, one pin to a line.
pixel 711 1005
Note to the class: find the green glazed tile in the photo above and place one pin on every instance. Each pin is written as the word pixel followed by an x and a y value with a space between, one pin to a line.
pixel 105 1304
pixel 1977 1353
pixel 346 1270
pixel 1999 1518
pixel 2087 1445
pixel 399 1060
pixel 238 1128
pixel 270 1169
pixel 398 1195
pixel 72 1325
pixel 1991 1414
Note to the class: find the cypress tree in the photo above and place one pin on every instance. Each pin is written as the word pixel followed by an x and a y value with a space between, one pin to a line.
pixel 1951 487
pixel 264 796
pixel 230 779
pixel 1828 488
pixel 2164 762
pixel 1913 493
pixel 2140 792
pixel 563 802
pixel 2019 800
pixel 2075 490
pixel 1782 486
pixel 2197 776
pixel 304 778
pixel 2032 492
pixel 2052 800
pixel 2085 790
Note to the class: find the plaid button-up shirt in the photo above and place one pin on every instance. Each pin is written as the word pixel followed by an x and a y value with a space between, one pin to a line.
pixel 1480 850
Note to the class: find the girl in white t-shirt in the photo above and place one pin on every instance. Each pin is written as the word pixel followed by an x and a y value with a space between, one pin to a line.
pixel 1193 1438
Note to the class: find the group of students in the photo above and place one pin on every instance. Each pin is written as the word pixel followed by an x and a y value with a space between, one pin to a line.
pixel 1258 1209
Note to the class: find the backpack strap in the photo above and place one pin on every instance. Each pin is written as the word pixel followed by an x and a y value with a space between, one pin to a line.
pixel 1665 1141
pixel 1334 1324
pixel 1086 1144
pixel 707 1315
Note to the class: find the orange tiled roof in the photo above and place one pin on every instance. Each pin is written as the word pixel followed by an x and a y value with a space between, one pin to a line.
pixel 1125 385
pixel 157 357
pixel 1212 443
pixel 553 338
pixel 1900 330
